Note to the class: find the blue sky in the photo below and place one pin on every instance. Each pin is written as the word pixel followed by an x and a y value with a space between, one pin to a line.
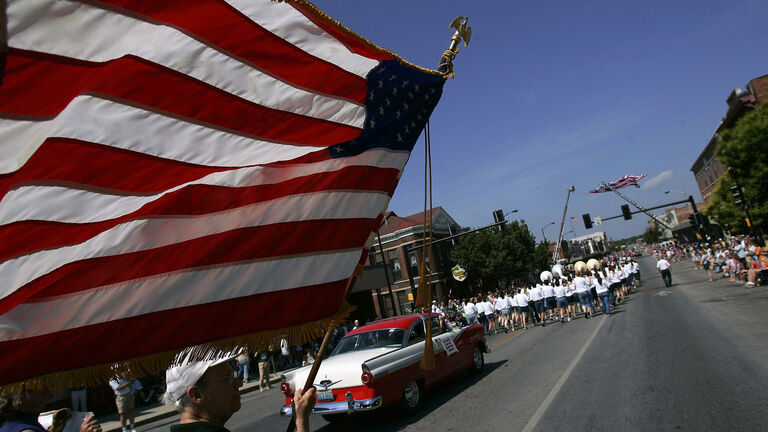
pixel 554 93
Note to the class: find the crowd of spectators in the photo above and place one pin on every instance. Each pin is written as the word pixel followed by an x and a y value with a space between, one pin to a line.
pixel 740 259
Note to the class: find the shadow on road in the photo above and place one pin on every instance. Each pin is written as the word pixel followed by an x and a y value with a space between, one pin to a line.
pixel 390 418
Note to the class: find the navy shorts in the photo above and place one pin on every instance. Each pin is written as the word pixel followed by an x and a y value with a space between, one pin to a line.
pixel 572 298
pixel 505 312
pixel 523 309
pixel 562 302
pixel 551 304
pixel 585 298
pixel 539 305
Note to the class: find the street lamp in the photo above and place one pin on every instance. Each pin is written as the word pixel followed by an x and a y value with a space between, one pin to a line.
pixel 542 232
pixel 509 212
pixel 678 191
pixel 688 205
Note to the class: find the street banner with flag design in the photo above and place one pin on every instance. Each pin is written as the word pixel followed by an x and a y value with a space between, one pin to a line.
pixel 627 180
pixel 181 173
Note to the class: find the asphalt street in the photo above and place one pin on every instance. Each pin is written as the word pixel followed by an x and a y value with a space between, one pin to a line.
pixel 690 357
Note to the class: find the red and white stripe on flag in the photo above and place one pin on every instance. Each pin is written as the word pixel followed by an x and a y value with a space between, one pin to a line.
pixel 175 173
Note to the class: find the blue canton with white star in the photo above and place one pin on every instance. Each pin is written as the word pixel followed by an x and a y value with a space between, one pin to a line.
pixel 399 102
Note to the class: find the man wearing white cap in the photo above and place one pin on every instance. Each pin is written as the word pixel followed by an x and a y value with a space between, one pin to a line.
pixel 207 393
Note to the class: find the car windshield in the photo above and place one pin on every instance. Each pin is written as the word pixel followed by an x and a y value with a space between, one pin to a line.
pixel 387 338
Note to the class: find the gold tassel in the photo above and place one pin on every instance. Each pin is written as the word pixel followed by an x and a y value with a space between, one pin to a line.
pixel 428 361
pixel 150 364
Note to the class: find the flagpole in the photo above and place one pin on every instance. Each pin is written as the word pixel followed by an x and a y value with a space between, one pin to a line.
pixel 320 354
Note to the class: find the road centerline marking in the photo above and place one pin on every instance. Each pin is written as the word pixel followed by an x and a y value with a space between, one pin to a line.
pixel 556 389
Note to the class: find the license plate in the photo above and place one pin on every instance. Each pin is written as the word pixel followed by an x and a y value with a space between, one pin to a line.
pixel 325 395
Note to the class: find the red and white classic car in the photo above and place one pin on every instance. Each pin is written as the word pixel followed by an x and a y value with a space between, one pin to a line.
pixel 378 365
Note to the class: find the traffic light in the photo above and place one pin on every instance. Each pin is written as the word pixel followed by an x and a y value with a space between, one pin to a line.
pixel 738 196
pixel 692 220
pixel 702 219
pixel 587 220
pixel 498 216
pixel 625 211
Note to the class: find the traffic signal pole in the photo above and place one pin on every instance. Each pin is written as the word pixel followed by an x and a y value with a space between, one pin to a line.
pixel 639 207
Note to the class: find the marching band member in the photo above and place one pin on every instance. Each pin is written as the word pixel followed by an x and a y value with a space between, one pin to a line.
pixel 562 300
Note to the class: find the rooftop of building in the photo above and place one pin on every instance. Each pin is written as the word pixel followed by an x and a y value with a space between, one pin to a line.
pixel 393 223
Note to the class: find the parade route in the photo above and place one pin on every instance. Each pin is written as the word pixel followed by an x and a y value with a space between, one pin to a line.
pixel 687 360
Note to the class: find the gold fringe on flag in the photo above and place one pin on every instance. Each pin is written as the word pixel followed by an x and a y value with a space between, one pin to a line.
pixel 147 365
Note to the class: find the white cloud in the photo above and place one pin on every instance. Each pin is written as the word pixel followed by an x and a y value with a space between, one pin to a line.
pixel 657 181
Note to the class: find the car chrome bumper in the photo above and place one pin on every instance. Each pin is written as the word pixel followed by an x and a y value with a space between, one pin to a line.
pixel 349 406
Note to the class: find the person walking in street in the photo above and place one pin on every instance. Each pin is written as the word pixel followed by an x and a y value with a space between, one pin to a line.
pixel 537 304
pixel 522 304
pixel 585 298
pixel 549 299
pixel 561 299
pixel 601 286
pixel 663 266
pixel 470 311
pixel 502 310
pixel 570 293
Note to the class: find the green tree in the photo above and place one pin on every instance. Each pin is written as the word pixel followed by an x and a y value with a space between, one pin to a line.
pixel 493 255
pixel 652 236
pixel 743 150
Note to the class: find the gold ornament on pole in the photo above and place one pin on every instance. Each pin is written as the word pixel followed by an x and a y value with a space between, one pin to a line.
pixel 463 32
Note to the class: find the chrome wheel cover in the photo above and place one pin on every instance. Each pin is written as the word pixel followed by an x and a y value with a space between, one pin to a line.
pixel 411 394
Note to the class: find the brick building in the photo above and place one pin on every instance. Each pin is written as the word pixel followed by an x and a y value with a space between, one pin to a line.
pixel 707 168
pixel 401 240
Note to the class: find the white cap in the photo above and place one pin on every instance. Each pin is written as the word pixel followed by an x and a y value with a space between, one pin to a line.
pixel 179 378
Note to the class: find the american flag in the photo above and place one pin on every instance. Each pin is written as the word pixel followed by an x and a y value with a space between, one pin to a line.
pixel 627 180
pixel 174 173
pixel 574 219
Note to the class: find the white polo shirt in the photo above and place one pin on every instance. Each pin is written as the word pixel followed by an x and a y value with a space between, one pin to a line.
pixel 580 284
pixel 470 308
pixel 522 299
pixel 662 264
pixel 535 293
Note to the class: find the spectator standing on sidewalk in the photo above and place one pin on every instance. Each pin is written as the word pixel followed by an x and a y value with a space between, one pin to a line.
pixel 285 355
pixel 125 401
pixel 79 397
pixel 663 266
pixel 244 366
pixel 263 360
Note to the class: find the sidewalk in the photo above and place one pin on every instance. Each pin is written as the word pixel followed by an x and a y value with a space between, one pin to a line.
pixel 150 413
